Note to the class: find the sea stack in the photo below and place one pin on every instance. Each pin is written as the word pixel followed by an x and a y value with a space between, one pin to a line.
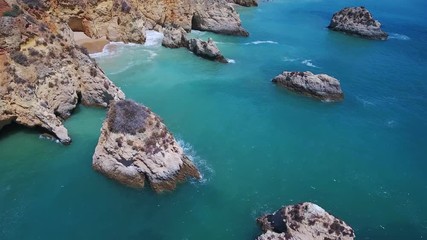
pixel 206 49
pixel 135 145
pixel 357 21
pixel 320 86
pixel 304 221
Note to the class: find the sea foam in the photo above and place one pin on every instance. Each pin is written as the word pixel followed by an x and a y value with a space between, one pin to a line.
pixel 261 42
pixel 205 170
pixel 398 36
pixel 308 63
pixel 153 38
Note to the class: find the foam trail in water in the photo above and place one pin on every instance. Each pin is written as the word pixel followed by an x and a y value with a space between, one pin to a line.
pixel 229 60
pixel 205 170
pixel 398 36
pixel 308 63
pixel 286 59
pixel 153 38
pixel 261 42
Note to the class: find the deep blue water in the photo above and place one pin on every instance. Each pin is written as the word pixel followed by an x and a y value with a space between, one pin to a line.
pixel 258 146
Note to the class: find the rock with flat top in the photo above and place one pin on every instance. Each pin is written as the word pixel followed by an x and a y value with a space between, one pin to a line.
pixel 304 221
pixel 320 86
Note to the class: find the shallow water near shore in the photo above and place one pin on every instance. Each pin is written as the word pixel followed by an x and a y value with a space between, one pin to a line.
pixel 257 145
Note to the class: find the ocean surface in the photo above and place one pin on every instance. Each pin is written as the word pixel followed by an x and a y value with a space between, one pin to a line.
pixel 257 145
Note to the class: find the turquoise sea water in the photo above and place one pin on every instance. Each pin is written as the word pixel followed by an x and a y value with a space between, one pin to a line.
pixel 258 146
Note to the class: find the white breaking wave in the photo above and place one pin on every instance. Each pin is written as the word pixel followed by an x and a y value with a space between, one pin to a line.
pixel 113 48
pixel 229 60
pixel 261 42
pixel 286 59
pixel 398 36
pixel 205 170
pixel 153 38
pixel 308 63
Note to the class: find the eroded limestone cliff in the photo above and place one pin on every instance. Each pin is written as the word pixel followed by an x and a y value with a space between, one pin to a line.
pixel 44 74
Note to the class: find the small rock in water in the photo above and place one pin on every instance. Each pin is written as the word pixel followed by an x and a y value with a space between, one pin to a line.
pixel 206 49
pixel 320 86
pixel 357 21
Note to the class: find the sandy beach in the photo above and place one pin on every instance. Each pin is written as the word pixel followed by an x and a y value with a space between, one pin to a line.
pixel 91 44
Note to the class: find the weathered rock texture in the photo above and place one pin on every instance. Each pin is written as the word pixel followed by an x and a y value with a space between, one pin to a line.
pixel 216 16
pixel 320 86
pixel 304 221
pixel 43 74
pixel 135 145
pixel 127 20
pixel 206 49
pixel 174 38
pixel 357 21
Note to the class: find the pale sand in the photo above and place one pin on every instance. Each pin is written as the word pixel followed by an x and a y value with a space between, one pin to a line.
pixel 91 44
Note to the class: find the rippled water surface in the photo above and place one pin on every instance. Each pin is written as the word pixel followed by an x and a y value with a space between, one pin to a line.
pixel 258 146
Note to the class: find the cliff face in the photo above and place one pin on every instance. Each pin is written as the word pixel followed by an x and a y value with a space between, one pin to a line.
pixel 44 73
pixel 127 20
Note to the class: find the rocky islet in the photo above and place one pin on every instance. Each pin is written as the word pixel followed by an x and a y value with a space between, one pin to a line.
pixel 135 145
pixel 319 86
pixel 303 221
pixel 357 21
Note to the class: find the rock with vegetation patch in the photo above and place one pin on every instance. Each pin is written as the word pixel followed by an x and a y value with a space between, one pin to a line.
pixel 304 221
pixel 135 145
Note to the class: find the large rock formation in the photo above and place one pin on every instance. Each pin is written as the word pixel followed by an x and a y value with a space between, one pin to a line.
pixel 357 21
pixel 135 145
pixel 206 49
pixel 304 221
pixel 320 86
pixel 44 74
pixel 127 20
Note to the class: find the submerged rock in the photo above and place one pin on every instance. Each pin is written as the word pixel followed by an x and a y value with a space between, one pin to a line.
pixel 357 21
pixel 320 86
pixel 135 145
pixel 206 49
pixel 246 3
pixel 304 221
